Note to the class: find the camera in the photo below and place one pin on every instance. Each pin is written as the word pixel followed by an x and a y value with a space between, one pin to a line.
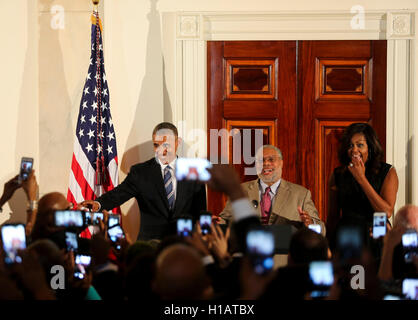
pixel 410 244
pixel 192 169
pixel 115 233
pixel 184 227
pixel 14 239
pixel 69 218
pixel 349 243
pixel 321 275
pixel 93 218
pixel 379 224
pixel 71 241
pixel 205 221
pixel 260 248
pixel 410 289
pixel 82 263
pixel 26 165
pixel 315 227
pixel 113 220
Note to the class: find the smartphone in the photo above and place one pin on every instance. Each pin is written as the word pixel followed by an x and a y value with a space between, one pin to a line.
pixel 205 221
pixel 410 289
pixel 82 264
pixel 113 220
pixel 96 216
pixel 115 233
pixel 410 245
pixel 69 218
pixel 315 227
pixel 349 243
pixel 260 249
pixel 13 238
pixel 184 227
pixel 379 224
pixel 26 165
pixel 71 241
pixel 321 274
pixel 192 169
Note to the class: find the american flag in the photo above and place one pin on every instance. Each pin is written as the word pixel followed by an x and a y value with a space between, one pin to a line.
pixel 94 167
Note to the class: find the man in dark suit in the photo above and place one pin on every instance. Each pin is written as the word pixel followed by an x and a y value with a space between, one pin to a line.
pixel 161 198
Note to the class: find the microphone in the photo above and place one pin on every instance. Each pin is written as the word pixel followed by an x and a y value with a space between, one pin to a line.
pixel 255 203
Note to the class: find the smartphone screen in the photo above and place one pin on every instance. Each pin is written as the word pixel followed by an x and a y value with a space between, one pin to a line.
pixel 349 243
pixel 410 289
pixel 82 263
pixel 14 239
pixel 205 221
pixel 113 220
pixel 322 277
pixel 184 227
pixel 379 224
pixel 410 245
pixel 96 217
pixel 192 169
pixel 260 248
pixel 69 218
pixel 315 227
pixel 71 241
pixel 115 233
pixel 26 165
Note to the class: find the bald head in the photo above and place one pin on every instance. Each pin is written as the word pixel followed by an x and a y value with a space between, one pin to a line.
pixel 53 201
pixel 407 216
pixel 180 273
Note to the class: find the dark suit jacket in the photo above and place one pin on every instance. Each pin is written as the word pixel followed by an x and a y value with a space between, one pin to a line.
pixel 145 183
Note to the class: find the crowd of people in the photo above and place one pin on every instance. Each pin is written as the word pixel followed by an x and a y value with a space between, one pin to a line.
pixel 343 262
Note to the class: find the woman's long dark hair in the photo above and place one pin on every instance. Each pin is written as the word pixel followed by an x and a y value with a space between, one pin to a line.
pixel 375 148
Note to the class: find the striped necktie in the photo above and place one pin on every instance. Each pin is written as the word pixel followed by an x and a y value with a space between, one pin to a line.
pixel 168 185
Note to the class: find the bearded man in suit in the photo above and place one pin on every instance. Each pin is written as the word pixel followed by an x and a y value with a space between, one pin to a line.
pixel 161 198
pixel 276 200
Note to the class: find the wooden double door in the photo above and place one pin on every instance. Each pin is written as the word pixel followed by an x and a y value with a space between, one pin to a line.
pixel 296 95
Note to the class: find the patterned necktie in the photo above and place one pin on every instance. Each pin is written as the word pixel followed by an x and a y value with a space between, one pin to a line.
pixel 265 206
pixel 168 184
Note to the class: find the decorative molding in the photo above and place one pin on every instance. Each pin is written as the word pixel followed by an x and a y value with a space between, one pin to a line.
pixel 188 26
pixel 400 25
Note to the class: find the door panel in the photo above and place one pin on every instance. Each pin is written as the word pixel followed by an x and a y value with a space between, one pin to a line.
pixel 300 102
pixel 337 87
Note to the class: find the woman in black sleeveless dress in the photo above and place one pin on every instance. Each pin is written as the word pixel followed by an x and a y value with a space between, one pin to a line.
pixel 364 184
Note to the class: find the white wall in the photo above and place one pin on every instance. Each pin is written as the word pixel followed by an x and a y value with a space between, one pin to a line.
pixel 19 107
pixel 44 70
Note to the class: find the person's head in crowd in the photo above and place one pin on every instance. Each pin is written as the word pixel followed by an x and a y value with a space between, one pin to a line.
pixel 307 246
pixel 360 140
pixel 45 224
pixel 165 140
pixel 48 254
pixel 407 216
pixel 138 248
pixel 180 274
pixel 269 164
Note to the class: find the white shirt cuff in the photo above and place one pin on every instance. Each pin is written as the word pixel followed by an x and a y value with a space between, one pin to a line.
pixel 242 209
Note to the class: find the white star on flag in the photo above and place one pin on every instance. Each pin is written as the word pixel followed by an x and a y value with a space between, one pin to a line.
pixel 109 149
pixel 86 90
pixel 110 136
pixel 91 134
pixel 94 105
pixel 84 104
pixel 82 118
pixel 89 147
pixel 92 119
pixel 81 133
